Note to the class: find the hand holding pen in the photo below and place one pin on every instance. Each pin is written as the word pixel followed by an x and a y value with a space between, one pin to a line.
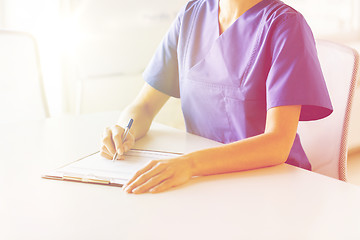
pixel 116 141
pixel 123 138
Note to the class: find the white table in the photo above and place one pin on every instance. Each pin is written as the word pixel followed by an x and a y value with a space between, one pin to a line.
pixel 281 202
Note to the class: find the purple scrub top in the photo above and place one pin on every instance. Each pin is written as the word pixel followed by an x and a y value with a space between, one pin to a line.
pixel 226 83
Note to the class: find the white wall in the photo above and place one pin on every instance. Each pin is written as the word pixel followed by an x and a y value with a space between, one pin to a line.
pixel 116 40
pixel 2 14
pixel 41 18
pixel 335 19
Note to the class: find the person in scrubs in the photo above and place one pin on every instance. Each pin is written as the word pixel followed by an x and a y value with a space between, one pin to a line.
pixel 246 72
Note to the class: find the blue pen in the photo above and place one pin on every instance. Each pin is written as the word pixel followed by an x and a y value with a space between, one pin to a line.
pixel 127 129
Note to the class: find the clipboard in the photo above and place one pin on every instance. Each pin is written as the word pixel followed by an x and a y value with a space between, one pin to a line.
pixel 96 169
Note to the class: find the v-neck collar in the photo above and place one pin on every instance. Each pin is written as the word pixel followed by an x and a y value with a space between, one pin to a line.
pixel 254 8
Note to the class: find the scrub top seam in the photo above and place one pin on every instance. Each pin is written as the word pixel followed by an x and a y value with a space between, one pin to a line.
pixel 195 15
pixel 213 85
pixel 251 61
pixel 231 127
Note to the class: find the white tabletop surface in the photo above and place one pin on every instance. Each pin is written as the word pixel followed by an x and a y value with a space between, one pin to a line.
pixel 281 202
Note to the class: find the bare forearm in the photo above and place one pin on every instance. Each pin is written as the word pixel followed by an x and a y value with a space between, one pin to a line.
pixel 260 151
pixel 267 149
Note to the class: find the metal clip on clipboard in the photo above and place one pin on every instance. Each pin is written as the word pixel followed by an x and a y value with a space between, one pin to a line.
pixel 86 180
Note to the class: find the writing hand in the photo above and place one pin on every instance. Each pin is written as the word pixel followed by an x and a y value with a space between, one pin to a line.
pixel 111 140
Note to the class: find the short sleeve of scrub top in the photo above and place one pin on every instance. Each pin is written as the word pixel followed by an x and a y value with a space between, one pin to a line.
pixel 162 72
pixel 227 83
pixel 295 76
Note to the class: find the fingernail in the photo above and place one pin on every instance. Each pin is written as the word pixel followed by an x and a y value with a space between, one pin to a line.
pixel 136 190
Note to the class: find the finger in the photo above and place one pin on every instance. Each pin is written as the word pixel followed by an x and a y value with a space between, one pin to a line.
pixel 117 133
pixel 105 155
pixel 138 173
pixel 105 150
pixel 151 170
pixel 129 142
pixel 107 141
pixel 144 178
pixel 162 186
pixel 153 182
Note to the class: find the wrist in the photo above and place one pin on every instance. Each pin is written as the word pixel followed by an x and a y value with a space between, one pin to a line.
pixel 123 125
pixel 190 159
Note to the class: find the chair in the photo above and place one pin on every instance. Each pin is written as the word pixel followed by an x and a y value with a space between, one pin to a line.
pixel 22 94
pixel 325 140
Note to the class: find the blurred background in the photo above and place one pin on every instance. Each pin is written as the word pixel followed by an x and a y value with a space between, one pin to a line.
pixel 92 52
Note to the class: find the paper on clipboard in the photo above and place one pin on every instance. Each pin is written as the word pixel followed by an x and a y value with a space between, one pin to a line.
pixel 97 169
